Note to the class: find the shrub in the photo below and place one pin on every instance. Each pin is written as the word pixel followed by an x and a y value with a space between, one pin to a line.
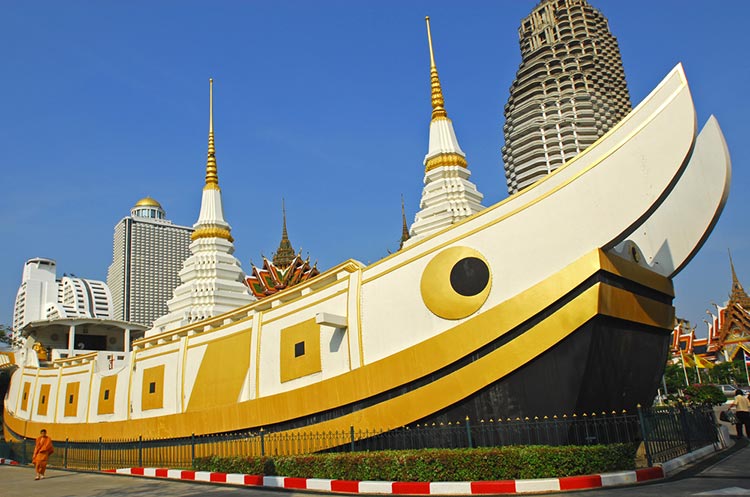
pixel 704 395
pixel 494 463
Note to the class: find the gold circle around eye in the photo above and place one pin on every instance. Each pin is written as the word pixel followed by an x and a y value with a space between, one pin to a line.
pixel 437 292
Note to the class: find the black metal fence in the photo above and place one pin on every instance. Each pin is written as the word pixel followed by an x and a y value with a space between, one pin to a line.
pixel 671 432
pixel 665 432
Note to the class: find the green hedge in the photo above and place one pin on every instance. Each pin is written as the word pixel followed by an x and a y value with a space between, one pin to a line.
pixel 496 463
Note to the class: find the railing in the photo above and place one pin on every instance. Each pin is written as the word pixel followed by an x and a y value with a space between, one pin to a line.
pixel 665 432
pixel 669 432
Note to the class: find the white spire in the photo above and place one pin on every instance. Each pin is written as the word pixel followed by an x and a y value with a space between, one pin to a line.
pixel 448 195
pixel 212 279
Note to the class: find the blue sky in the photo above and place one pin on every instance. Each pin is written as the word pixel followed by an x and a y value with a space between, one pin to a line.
pixel 324 103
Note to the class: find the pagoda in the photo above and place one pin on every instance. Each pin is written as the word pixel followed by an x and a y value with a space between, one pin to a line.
pixel 284 270
pixel 447 196
pixel 211 277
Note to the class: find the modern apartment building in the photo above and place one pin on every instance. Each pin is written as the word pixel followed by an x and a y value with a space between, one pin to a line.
pixel 569 90
pixel 42 295
pixel 147 255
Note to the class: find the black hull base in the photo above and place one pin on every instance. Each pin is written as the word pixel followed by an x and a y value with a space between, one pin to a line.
pixel 606 365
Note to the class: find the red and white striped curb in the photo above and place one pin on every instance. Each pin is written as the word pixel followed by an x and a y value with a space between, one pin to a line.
pixel 401 487
pixel 8 461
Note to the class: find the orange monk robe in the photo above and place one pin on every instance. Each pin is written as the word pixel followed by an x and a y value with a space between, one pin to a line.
pixel 42 450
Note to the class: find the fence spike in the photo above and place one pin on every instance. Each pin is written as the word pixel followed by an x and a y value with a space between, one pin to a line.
pixel 467 418
pixel 545 417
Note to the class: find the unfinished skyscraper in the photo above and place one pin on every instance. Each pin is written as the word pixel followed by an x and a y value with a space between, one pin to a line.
pixel 569 90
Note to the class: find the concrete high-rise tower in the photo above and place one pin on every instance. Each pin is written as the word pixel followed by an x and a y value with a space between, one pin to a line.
pixel 569 90
pixel 147 255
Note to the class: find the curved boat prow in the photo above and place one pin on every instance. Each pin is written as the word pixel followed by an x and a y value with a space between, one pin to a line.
pixel 679 227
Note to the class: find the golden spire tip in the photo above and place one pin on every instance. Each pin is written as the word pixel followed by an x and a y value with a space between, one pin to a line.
pixel 438 104
pixel 212 177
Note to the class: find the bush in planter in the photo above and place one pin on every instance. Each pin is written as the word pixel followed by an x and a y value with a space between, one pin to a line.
pixel 701 394
pixel 491 463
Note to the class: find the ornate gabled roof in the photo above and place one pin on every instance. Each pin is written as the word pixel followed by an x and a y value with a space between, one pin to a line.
pixel 284 270
pixel 285 253
pixel 271 278
pixel 731 326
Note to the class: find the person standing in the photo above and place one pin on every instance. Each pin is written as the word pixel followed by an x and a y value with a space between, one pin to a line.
pixel 42 450
pixel 742 406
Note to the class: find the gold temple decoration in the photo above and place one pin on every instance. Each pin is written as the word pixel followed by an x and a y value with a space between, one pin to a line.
pixel 439 113
pixel 211 232
pixel 438 104
pixel 212 176
pixel 445 160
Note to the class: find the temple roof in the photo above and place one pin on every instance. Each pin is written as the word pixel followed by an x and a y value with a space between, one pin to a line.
pixel 284 270
pixel 285 253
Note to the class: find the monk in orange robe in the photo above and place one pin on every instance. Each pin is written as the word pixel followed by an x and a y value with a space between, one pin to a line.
pixel 42 450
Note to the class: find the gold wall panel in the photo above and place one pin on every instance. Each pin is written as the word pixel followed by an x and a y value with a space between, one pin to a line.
pixel 41 409
pixel 294 365
pixel 25 397
pixel 107 390
pixel 71 399
pixel 222 372
pixel 152 388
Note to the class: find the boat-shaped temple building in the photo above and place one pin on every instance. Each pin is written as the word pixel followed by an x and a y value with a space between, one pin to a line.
pixel 565 284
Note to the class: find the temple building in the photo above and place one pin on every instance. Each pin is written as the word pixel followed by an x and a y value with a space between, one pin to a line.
pixel 284 270
pixel 728 329
pixel 569 90
pixel 147 254
pixel 212 280
pixel 448 196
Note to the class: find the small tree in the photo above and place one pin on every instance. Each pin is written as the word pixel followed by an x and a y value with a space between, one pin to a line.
pixel 674 377
pixel 6 336
pixel 730 373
